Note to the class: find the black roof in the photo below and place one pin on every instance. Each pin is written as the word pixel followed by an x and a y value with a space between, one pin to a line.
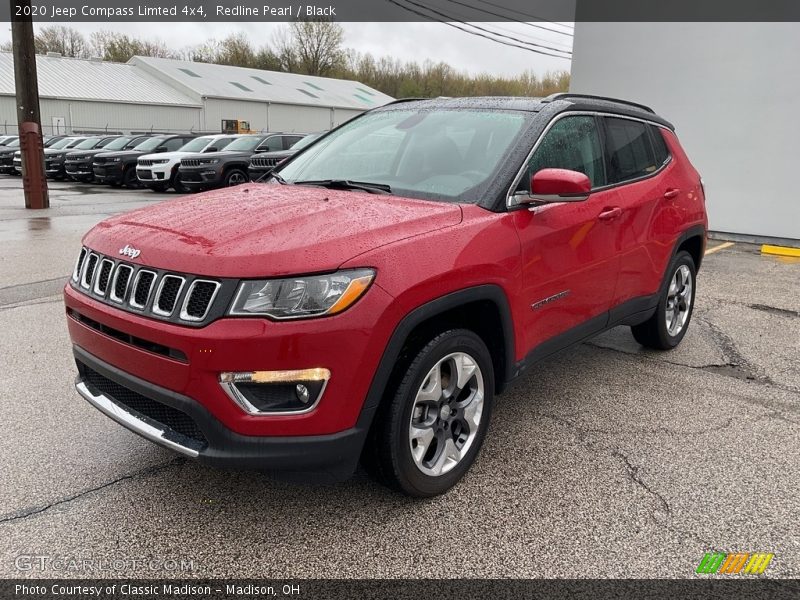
pixel 564 101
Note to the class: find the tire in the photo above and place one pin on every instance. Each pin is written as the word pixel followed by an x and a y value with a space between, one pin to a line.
pixel 417 446
pixel 129 179
pixel 235 177
pixel 176 184
pixel 666 328
pixel 160 189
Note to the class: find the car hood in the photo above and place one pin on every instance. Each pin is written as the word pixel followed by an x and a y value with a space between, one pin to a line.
pixel 55 152
pixel 220 154
pixel 167 155
pixel 82 153
pixel 275 154
pixel 118 153
pixel 264 230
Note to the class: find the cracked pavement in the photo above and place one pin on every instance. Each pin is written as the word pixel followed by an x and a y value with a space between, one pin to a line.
pixel 607 460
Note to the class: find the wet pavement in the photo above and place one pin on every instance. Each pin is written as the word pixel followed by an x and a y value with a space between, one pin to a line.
pixel 605 461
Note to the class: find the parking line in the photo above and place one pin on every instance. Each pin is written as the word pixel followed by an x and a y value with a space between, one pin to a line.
pixel 720 247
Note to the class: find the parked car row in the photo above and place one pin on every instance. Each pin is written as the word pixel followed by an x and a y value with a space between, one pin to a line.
pixel 183 162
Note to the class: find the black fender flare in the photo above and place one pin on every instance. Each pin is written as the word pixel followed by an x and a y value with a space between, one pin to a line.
pixel 487 292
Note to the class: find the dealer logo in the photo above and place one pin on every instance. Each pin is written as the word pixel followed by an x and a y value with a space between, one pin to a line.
pixel 130 251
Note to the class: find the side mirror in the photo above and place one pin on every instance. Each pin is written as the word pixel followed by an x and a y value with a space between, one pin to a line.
pixel 559 185
pixel 212 149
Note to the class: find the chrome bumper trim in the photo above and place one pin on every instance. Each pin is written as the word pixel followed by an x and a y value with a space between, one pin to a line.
pixel 113 410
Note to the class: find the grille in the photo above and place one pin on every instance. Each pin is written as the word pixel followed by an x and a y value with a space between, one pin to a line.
pixel 264 162
pixel 198 300
pixel 142 287
pixel 78 265
pixel 167 296
pixel 101 283
pixel 169 417
pixel 145 162
pixel 190 162
pixel 88 272
pixel 144 174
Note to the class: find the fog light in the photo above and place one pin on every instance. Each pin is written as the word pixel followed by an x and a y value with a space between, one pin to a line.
pixel 276 392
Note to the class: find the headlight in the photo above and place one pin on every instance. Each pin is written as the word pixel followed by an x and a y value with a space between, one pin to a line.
pixel 209 161
pixel 117 159
pixel 160 161
pixel 299 297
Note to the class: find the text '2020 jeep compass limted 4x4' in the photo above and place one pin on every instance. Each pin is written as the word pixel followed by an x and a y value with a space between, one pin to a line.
pixel 391 278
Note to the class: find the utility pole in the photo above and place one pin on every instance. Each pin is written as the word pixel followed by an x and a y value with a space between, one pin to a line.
pixel 30 127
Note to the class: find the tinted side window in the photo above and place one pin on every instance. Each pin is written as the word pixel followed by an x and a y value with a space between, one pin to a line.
pixel 174 144
pixel 571 143
pixel 271 144
pixel 659 145
pixel 290 140
pixel 630 154
pixel 222 142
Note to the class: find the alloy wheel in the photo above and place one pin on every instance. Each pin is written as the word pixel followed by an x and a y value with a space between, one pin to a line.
pixel 446 415
pixel 679 300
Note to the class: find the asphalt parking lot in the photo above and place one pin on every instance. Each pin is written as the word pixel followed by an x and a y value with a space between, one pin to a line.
pixel 606 461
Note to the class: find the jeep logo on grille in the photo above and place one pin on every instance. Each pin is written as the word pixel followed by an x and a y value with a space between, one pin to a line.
pixel 129 250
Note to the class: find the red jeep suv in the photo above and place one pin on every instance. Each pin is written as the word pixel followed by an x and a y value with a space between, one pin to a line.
pixel 371 299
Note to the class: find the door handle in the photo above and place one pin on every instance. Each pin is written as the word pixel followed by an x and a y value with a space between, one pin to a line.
pixel 671 193
pixel 609 214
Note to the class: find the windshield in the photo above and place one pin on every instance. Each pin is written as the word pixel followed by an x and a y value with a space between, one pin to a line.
pixel 299 145
pixel 435 154
pixel 88 143
pixel 196 145
pixel 62 143
pixel 245 144
pixel 150 144
pixel 117 143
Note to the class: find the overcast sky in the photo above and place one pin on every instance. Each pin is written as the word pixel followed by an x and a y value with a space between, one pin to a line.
pixel 406 41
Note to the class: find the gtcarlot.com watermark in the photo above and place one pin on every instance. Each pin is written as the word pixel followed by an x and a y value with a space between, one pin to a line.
pixel 54 564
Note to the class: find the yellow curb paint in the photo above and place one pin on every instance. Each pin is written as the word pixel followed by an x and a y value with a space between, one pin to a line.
pixel 780 250
pixel 720 247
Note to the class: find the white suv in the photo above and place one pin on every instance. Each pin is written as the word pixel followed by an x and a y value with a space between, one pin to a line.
pixel 159 172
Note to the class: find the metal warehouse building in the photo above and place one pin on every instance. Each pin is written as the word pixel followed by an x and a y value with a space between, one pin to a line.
pixel 154 94
pixel 731 91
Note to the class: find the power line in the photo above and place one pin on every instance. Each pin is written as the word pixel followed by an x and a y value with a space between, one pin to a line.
pixel 528 15
pixel 504 17
pixel 523 37
pixel 517 42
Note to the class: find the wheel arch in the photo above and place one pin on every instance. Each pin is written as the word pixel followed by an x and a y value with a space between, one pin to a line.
pixel 495 327
pixel 693 241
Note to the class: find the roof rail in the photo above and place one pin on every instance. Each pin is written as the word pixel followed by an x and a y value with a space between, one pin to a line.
pixel 567 96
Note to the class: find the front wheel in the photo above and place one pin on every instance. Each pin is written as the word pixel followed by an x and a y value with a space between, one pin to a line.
pixel 666 328
pixel 235 177
pixel 130 180
pixel 430 431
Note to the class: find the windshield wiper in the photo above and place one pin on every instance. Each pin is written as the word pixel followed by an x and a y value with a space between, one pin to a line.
pixel 272 175
pixel 346 184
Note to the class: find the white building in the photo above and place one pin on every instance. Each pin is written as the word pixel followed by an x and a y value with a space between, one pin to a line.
pixel 155 94
pixel 731 90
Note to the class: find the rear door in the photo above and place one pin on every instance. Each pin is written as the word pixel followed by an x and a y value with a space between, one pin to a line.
pixel 569 256
pixel 634 166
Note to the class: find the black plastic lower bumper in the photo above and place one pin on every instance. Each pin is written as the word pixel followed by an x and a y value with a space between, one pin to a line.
pixel 318 458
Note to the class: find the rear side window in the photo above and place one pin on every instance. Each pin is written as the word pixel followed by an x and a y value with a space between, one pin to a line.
pixel 659 145
pixel 630 153
pixel 571 143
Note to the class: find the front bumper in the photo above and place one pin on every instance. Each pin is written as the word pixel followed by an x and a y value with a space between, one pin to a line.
pixel 108 172
pixel 7 166
pixel 54 168
pixel 152 177
pixel 182 424
pixel 79 170
pixel 201 178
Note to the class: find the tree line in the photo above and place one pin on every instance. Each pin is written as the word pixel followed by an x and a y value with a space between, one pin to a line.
pixel 309 48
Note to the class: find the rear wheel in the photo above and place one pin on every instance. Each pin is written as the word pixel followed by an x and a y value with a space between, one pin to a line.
pixel 129 178
pixel 430 431
pixel 235 177
pixel 666 328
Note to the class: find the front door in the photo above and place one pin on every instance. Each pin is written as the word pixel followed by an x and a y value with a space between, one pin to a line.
pixel 569 259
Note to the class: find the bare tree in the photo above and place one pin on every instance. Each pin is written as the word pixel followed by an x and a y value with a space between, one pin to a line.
pixel 119 47
pixel 312 47
pixel 64 40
